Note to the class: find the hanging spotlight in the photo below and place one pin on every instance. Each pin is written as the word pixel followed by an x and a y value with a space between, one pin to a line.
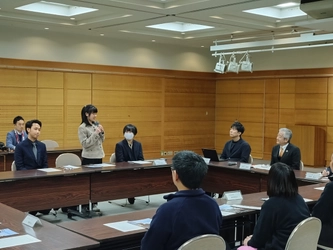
pixel 220 65
pixel 233 65
pixel 246 65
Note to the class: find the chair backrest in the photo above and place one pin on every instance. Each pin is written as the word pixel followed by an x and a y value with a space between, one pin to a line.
pixel 324 247
pixel 13 167
pixel 67 159
pixel 301 165
pixel 206 241
pixel 250 159
pixel 305 235
pixel 50 143
pixel 113 158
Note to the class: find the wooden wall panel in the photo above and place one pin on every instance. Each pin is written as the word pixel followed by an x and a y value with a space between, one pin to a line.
pixel 271 130
pixel 329 133
pixel 329 152
pixel 311 85
pixel 287 116
pixel 188 128
pixel 189 100
pixel 226 100
pixel 50 80
pixel 311 117
pixel 287 86
pixel 272 86
pixel 271 115
pixel 252 86
pixel 50 97
pixel 251 115
pixel 189 114
pixel 226 114
pixel 189 86
pixel 251 100
pixel 227 86
pixel 223 127
pixel 330 101
pixel 18 78
pixel 18 96
pixel 311 101
pixel 271 101
pixel 78 81
pixel 287 101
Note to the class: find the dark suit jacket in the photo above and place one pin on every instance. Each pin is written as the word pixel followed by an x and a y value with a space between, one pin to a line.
pixel 24 156
pixel 125 153
pixel 324 211
pixel 11 139
pixel 291 156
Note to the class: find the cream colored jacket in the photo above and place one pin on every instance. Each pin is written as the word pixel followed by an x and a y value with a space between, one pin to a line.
pixel 91 142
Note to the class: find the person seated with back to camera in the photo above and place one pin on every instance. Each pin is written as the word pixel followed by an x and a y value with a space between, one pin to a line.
pixel 280 214
pixel 187 213
pixel 236 149
pixel 129 149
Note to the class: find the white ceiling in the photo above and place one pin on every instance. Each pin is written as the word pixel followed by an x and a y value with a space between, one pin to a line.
pixel 127 19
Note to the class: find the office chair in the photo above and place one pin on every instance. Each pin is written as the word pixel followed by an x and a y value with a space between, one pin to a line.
pixel 250 159
pixel 72 159
pixel 50 144
pixel 13 167
pixel 301 165
pixel 206 241
pixel 113 158
pixel 305 235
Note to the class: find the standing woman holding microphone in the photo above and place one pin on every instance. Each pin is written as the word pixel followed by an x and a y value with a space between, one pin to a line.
pixel 91 136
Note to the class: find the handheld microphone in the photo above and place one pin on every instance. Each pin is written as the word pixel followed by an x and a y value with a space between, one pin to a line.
pixel 97 124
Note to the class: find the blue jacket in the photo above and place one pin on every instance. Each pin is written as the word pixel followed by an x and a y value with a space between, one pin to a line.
pixel 187 214
pixel 125 153
pixel 24 156
pixel 11 140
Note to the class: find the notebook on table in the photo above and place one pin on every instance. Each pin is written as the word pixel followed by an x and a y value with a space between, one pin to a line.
pixel 211 154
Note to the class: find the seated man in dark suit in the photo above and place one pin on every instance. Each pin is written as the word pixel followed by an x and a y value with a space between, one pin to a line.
pixel 129 149
pixel 187 213
pixel 31 153
pixel 284 151
pixel 236 149
pixel 17 135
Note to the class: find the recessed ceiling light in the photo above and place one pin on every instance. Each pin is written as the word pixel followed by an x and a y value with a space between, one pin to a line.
pixel 286 5
pixel 102 34
pixel 179 26
pixel 153 41
pixel 72 18
pixel 202 46
pixel 46 28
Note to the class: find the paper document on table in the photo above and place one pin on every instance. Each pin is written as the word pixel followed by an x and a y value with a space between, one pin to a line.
pixel 226 213
pixel 320 188
pixel 262 166
pixel 17 241
pixel 140 162
pixel 49 169
pixel 70 167
pixel 145 223
pixel 99 165
pixel 247 207
pixel 314 176
pixel 7 232
pixel 123 226
pixel 307 200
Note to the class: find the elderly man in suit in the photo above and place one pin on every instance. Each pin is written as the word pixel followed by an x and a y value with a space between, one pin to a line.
pixel 129 149
pixel 31 153
pixel 17 135
pixel 284 151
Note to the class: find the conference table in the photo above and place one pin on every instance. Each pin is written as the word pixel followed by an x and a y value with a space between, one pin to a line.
pixel 32 190
pixel 47 235
pixel 111 238
pixel 52 154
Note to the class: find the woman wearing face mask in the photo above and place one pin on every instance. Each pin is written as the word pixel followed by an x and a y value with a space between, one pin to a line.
pixel 129 149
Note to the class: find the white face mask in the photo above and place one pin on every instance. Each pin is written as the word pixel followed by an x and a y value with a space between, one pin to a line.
pixel 128 135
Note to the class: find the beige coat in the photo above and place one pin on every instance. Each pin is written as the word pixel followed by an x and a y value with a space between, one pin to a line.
pixel 91 142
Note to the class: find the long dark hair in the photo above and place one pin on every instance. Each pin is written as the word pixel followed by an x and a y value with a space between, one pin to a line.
pixel 89 108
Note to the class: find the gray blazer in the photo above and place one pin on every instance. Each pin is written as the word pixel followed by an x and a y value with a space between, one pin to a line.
pixel 91 142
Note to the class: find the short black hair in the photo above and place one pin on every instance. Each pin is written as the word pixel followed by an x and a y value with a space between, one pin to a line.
pixel 130 128
pixel 281 181
pixel 238 126
pixel 190 167
pixel 17 118
pixel 89 108
pixel 28 124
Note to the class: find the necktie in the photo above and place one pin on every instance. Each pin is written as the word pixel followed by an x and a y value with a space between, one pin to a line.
pixel 281 151
pixel 34 149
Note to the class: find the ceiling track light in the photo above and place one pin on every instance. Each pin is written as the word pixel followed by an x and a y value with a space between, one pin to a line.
pixel 244 65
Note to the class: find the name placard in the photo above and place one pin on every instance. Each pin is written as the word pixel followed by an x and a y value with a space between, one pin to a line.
pixel 232 195
pixel 31 221
pixel 159 162
pixel 246 166
pixel 314 176
pixel 207 160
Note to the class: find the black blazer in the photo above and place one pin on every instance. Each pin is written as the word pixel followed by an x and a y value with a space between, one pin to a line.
pixel 291 156
pixel 24 156
pixel 125 153
pixel 324 211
